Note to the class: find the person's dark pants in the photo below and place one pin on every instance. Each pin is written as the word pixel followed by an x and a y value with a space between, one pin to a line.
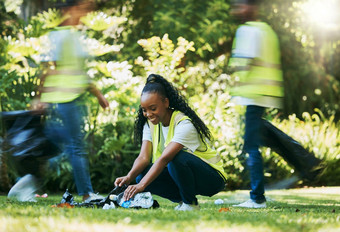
pixel 64 127
pixel 185 177
pixel 259 132
pixel 252 142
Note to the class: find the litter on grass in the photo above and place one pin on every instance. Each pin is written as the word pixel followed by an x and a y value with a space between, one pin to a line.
pixel 219 202
pixel 223 210
pixel 113 200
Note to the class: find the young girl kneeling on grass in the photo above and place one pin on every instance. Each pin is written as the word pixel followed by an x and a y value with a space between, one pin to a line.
pixel 176 161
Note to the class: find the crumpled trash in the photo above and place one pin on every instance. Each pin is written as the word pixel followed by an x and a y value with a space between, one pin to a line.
pixel 68 198
pixel 219 202
pixel 224 210
pixel 67 201
pixel 140 200
pixel 109 206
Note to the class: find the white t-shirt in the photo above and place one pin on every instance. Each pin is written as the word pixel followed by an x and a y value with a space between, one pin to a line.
pixel 185 134
pixel 248 42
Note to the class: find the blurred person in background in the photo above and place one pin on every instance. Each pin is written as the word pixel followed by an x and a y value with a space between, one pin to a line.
pixel 63 85
pixel 255 64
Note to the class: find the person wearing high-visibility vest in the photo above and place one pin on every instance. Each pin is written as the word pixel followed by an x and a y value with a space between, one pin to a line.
pixel 62 90
pixel 176 160
pixel 255 64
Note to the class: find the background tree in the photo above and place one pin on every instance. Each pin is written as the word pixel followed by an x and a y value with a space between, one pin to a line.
pixel 309 34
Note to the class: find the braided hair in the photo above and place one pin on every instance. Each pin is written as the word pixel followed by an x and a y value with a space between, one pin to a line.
pixel 158 84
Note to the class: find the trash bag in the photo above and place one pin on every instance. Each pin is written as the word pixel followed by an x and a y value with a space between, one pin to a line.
pixel 25 135
pixel 26 140
pixel 292 151
pixel 110 199
pixel 113 195
pixel 113 200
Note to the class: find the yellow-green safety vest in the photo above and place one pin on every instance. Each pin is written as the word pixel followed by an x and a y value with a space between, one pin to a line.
pixel 69 80
pixel 210 156
pixel 260 76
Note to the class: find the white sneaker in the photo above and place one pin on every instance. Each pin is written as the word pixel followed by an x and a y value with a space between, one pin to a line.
pixel 251 204
pixel 179 205
pixel 24 189
pixel 187 207
pixel 93 197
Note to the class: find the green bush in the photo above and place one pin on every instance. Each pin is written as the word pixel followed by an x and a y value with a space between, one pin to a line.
pixel 321 136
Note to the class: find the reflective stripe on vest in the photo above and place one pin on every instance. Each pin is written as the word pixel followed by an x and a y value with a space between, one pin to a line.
pixel 261 76
pixel 210 156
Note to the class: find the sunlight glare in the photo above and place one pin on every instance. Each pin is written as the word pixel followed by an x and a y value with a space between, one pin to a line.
pixel 322 13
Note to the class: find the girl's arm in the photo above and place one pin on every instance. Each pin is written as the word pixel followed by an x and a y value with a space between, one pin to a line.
pixel 101 99
pixel 168 154
pixel 141 162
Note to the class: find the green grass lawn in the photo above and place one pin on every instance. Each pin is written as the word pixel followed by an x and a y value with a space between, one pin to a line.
pixel 308 209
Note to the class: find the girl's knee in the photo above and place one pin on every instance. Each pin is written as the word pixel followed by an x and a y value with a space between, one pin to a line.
pixel 181 157
pixel 181 160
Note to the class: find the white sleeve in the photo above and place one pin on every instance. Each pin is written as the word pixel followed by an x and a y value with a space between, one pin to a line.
pixel 147 133
pixel 187 135
pixel 51 53
pixel 247 42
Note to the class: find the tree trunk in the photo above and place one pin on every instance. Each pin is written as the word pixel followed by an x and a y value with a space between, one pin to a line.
pixel 4 180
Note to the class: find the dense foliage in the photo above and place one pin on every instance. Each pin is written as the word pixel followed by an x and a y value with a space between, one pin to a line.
pixel 187 42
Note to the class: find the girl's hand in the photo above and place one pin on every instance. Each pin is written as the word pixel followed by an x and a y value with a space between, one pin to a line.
pixel 103 102
pixel 120 181
pixel 132 190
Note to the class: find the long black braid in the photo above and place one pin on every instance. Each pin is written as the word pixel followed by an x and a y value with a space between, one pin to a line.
pixel 158 84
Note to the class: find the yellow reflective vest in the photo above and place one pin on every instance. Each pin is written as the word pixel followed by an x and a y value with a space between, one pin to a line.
pixel 209 155
pixel 259 76
pixel 69 80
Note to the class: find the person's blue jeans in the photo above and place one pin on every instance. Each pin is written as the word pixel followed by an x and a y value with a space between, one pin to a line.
pixel 252 142
pixel 185 177
pixel 64 127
